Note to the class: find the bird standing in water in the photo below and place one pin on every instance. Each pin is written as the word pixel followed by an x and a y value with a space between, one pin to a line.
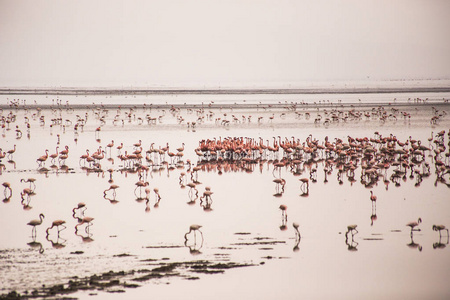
pixel 193 228
pixel 57 223
pixel 440 228
pixel 414 224
pixel 35 223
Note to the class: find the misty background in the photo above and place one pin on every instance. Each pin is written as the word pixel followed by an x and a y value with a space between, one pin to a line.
pixel 235 43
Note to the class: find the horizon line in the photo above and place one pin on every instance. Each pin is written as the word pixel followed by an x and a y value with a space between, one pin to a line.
pixel 225 90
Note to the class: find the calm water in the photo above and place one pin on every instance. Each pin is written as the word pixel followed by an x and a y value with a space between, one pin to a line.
pixel 242 223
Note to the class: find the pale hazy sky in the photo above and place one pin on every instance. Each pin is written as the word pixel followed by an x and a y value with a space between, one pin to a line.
pixel 221 43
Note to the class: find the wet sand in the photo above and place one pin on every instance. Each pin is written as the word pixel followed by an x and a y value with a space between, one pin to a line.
pixel 140 238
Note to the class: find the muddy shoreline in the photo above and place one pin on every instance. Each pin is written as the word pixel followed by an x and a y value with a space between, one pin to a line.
pixel 117 282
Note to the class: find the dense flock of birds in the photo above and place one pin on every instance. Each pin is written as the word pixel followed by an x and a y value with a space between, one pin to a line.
pixel 367 160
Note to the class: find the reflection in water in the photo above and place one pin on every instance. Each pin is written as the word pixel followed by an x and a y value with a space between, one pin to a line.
pixel 59 243
pixel 283 209
pixel 110 171
pixel 7 192
pixel 58 224
pixel 440 228
pixel 182 181
pixel 26 193
pixel 439 244
pixel 279 187
pixel 380 160
pixel 85 220
pixel 31 181
pixel 112 187
pixel 373 199
pixel 139 185
pixel 33 244
pixel 192 193
pixel 352 244
pixel 298 237
pixel 413 245
pixel 157 198
pixel 194 247
pixel 78 211
pixel 87 237
pixel 304 187
pixel 206 199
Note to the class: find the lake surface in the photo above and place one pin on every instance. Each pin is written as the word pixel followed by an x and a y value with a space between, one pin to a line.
pixel 248 246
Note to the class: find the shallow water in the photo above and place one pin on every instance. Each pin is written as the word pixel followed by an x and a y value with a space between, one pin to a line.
pixel 240 225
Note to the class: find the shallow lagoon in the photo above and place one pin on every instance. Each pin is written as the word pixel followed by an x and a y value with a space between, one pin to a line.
pixel 241 226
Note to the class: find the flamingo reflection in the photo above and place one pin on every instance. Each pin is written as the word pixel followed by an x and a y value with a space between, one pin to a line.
pixel 279 187
pixel 57 224
pixel 78 211
pixel 194 248
pixel 283 209
pixel 112 187
pixel 7 192
pixel 139 185
pixel 157 197
pixel 373 199
pixel 33 244
pixel 87 238
pixel 206 199
pixel 32 183
pixel 298 237
pixel 440 245
pixel 59 243
pixel 25 201
pixel 413 245
pixel 440 228
pixel 192 193
pixel 182 181
pixel 351 229
pixel 85 220
pixel 351 245
pixel 304 187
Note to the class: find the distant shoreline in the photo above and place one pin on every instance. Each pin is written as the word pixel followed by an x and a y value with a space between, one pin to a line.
pixel 225 91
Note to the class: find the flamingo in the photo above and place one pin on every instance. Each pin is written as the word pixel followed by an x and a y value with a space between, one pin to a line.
pixel 42 159
pixel 110 145
pixel 112 187
pixel 373 198
pixel 139 185
pixel 7 186
pixel 57 223
pixel 65 151
pixel 87 220
pixel 283 209
pixel 11 152
pixel 35 223
pixel 305 182
pixel 194 228
pixel 53 156
pixel 351 228
pixel 440 228
pixel 31 181
pixel 297 232
pixel 81 206
pixel 414 224
pixel 279 181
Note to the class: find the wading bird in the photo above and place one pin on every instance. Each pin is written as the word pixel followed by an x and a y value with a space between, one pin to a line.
pixel 57 223
pixel 414 224
pixel 193 228
pixel 35 223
